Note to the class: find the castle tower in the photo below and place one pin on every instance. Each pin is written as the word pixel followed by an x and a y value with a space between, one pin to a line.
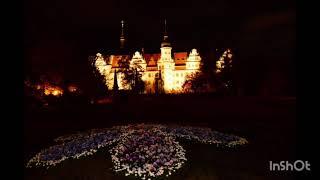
pixel 166 64
pixel 166 45
pixel 122 38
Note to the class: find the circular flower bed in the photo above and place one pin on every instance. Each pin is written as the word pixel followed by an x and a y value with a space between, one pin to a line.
pixel 145 151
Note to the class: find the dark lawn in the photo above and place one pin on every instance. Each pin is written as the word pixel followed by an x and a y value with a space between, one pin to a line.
pixel 268 123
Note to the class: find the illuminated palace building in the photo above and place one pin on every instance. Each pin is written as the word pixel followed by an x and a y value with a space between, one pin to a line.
pixel 159 70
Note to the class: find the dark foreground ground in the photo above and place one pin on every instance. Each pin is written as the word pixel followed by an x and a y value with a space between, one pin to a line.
pixel 268 123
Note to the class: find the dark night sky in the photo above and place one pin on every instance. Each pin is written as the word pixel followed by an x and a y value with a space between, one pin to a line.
pixel 62 33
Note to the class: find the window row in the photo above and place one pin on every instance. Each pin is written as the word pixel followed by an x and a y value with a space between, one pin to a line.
pixel 192 66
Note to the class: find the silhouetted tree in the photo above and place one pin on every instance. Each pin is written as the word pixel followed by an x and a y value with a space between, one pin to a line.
pixel 99 85
pixel 159 84
pixel 215 75
pixel 132 75
pixel 139 85
pixel 195 83
pixel 205 80
pixel 115 82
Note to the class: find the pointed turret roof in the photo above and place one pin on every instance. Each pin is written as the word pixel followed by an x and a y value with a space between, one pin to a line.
pixel 165 42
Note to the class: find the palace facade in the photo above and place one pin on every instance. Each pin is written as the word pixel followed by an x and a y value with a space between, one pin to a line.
pixel 169 69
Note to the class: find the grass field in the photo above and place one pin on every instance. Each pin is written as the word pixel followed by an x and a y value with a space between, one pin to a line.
pixel 269 124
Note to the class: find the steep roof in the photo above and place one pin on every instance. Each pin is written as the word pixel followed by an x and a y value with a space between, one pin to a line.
pixel 152 59
pixel 180 58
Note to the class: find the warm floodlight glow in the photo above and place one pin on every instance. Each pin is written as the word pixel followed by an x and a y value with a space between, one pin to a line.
pixel 52 90
pixel 173 77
